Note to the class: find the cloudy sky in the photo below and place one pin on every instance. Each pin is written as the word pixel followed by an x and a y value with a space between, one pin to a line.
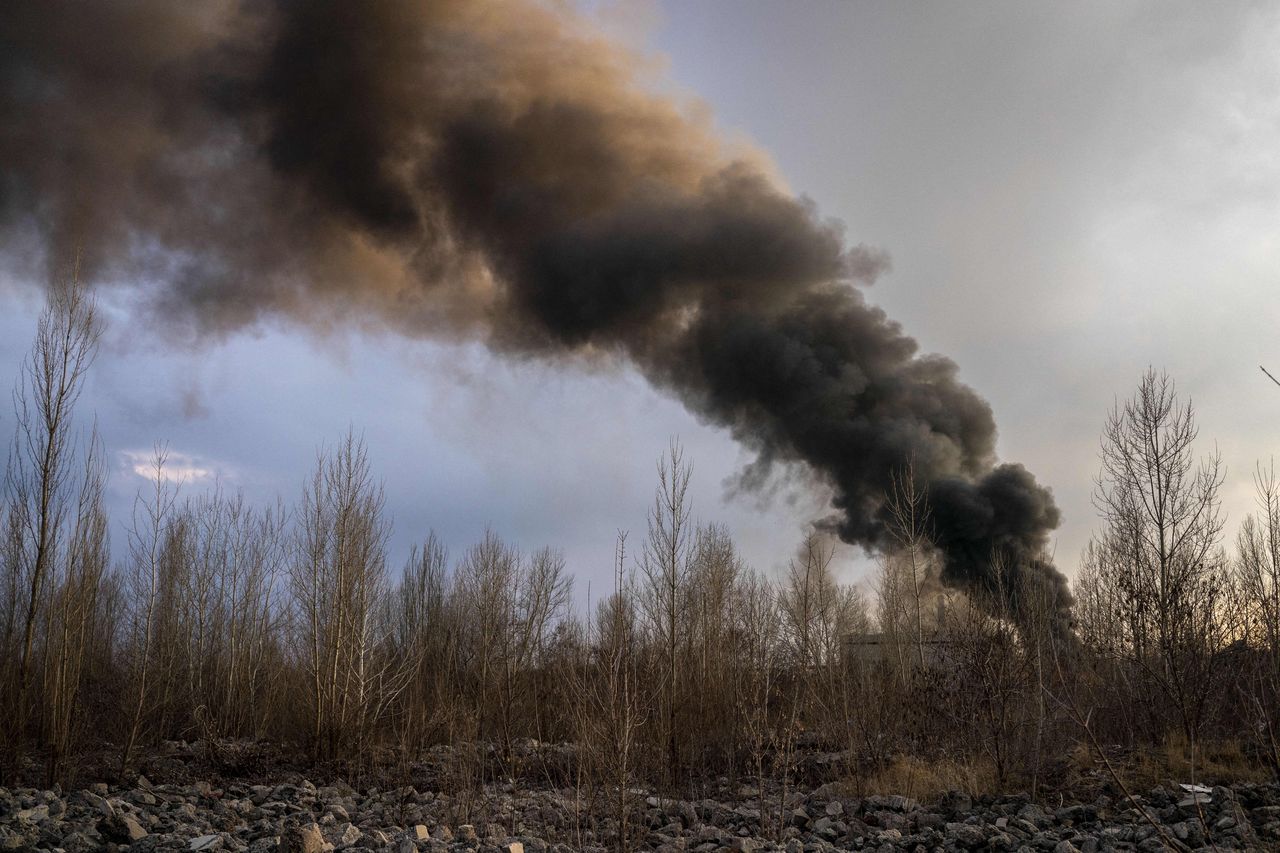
pixel 1069 193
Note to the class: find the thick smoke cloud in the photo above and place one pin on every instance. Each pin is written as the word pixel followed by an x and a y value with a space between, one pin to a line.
pixel 494 170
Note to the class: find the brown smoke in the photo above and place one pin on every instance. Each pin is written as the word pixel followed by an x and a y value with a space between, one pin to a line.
pixel 493 169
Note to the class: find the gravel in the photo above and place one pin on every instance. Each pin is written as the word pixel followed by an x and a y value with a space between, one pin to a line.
pixel 300 817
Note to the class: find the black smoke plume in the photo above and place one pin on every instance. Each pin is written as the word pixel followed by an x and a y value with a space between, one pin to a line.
pixel 493 169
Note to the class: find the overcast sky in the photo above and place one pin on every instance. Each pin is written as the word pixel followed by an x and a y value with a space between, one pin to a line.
pixel 1069 193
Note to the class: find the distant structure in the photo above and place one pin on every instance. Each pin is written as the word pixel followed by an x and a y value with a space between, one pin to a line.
pixel 870 649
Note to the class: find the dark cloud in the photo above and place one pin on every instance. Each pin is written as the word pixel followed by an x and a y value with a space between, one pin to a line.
pixel 493 170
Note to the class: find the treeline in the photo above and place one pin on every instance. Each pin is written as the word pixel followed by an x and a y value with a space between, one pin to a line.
pixel 228 622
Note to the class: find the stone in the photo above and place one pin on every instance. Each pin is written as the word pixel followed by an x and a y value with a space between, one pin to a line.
pixel 206 842
pixel 10 840
pixel 1072 814
pixel 835 808
pixel 36 814
pixel 98 803
pixel 512 847
pixel 350 835
pixel 966 835
pixel 78 842
pixel 302 839
pixel 142 797
pixel 1065 847
pixel 956 802
pixel 1034 815
pixel 420 833
pixel 121 828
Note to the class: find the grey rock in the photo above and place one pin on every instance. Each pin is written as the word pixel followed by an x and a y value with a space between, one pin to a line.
pixel 302 839
pixel 78 842
pixel 1001 841
pixel 98 803
pixel 142 797
pixel 966 835
pixel 956 802
pixel 35 814
pixel 122 828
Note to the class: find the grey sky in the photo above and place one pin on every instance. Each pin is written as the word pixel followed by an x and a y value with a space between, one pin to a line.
pixel 1069 193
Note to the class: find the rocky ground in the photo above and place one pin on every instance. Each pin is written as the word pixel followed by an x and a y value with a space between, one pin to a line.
pixel 300 816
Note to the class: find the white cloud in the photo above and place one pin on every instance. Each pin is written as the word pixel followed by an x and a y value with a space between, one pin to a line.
pixel 176 468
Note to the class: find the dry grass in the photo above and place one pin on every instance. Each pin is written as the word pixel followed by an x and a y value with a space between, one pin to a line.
pixel 920 779
pixel 1214 762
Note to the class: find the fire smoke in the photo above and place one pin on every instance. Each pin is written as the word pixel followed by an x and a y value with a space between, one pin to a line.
pixel 492 169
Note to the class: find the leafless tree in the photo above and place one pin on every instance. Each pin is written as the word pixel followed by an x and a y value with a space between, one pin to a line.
pixel 913 556
pixel 1159 553
pixel 427 632
pixel 73 609
pixel 665 568
pixel 338 579
pixel 40 482
pixel 148 536
pixel 758 670
pixel 611 703
pixel 1258 577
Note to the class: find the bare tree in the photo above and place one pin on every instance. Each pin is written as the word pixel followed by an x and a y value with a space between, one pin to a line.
pixel 1159 552
pixel 40 480
pixel 909 527
pixel 611 705
pixel 73 609
pixel 152 515
pixel 1258 576
pixel 427 632
pixel 338 581
pixel 665 567
pixel 758 671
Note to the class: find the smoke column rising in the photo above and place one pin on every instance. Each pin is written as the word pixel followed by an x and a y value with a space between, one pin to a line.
pixel 492 169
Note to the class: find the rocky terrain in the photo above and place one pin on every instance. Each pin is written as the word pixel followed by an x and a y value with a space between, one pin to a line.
pixel 299 816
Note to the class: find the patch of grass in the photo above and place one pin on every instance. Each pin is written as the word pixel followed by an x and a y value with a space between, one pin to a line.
pixel 1210 763
pixel 922 779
